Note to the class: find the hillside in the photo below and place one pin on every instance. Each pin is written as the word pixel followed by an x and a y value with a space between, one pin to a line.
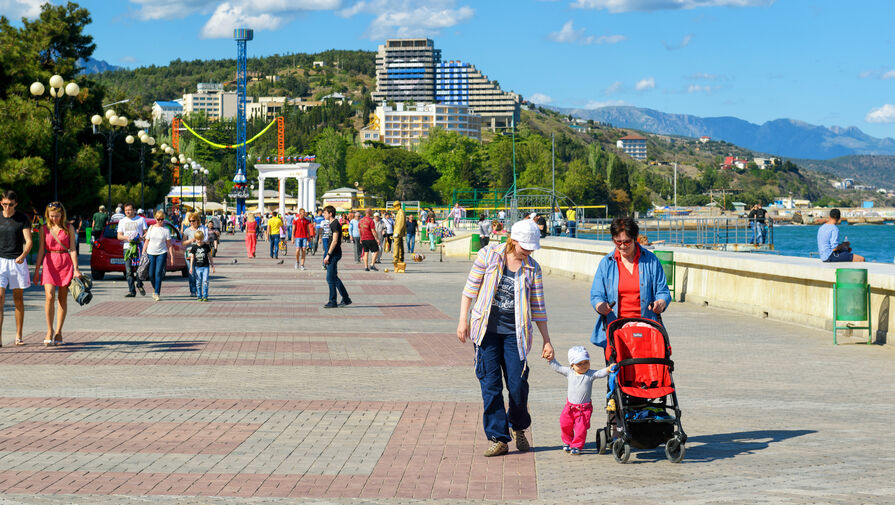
pixel 873 170
pixel 780 137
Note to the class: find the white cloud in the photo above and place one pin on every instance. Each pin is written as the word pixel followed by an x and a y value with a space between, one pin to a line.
pixel 615 87
pixel 616 6
pixel 540 98
pixel 682 44
pixel 407 18
pixel 884 114
pixel 127 59
pixel 645 84
pixel 696 88
pixel 889 75
pixel 596 104
pixel 16 9
pixel 569 35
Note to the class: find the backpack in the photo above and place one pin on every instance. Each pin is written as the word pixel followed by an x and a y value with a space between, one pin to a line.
pixel 80 289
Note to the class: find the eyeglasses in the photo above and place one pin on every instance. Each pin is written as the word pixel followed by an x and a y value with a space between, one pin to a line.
pixel 623 242
pixel 54 205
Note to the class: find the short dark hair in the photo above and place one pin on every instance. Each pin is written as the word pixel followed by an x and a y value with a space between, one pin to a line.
pixel 330 209
pixel 835 214
pixel 11 195
pixel 129 204
pixel 624 224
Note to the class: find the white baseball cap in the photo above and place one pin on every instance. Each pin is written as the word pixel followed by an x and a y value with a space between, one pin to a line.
pixel 376 214
pixel 526 234
pixel 578 354
pixel 533 215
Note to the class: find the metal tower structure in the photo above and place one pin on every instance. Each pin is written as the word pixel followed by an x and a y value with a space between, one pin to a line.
pixel 242 35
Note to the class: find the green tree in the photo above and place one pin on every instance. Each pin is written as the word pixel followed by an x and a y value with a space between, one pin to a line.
pixel 456 159
pixel 582 186
pixel 331 154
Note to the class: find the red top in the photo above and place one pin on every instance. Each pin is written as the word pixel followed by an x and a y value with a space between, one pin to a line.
pixel 366 227
pixel 628 286
pixel 251 226
pixel 300 228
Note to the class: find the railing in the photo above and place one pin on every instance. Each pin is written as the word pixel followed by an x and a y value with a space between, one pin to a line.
pixel 703 232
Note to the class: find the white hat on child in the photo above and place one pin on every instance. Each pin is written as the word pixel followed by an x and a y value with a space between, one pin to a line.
pixel 578 354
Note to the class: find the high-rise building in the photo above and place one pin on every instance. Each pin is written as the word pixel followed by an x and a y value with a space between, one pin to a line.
pixel 405 71
pixel 404 125
pixel 211 99
pixel 462 84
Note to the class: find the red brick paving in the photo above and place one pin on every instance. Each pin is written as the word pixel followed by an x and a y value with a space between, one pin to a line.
pixel 434 452
pixel 180 308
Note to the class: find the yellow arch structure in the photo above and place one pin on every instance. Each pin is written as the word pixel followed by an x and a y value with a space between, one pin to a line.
pixel 226 146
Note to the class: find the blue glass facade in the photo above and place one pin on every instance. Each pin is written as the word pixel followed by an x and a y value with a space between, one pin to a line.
pixel 452 83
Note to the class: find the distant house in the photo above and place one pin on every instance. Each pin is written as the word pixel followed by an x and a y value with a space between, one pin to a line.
pixel 319 64
pixel 704 139
pixel 166 111
pixel 731 162
pixel 633 145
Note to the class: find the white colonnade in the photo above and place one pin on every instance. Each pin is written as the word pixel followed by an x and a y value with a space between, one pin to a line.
pixel 304 173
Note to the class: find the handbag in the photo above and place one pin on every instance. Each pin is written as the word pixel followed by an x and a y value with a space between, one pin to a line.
pixel 80 289
pixel 143 268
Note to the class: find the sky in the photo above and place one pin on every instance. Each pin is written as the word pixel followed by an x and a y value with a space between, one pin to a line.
pixel 825 62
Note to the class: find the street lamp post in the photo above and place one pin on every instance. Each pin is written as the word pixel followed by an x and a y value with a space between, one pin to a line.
pixel 204 187
pixel 57 94
pixel 116 129
pixel 145 140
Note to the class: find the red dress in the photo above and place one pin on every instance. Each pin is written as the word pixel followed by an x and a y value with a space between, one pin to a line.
pixel 58 268
pixel 251 237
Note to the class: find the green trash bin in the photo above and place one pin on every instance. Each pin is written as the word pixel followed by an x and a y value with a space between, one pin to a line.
pixel 424 237
pixel 89 236
pixel 666 259
pixel 475 244
pixel 503 239
pixel 851 301
pixel 437 239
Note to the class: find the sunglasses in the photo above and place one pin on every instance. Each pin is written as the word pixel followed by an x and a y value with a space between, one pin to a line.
pixel 54 205
pixel 623 242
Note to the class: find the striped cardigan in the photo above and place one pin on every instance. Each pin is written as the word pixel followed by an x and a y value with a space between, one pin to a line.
pixel 482 283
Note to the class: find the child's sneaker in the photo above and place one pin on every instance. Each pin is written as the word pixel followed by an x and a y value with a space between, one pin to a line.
pixel 565 447
pixel 574 451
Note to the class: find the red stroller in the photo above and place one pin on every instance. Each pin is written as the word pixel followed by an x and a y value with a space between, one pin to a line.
pixel 641 398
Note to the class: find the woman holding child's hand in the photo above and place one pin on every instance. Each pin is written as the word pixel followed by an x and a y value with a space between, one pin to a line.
pixel 505 286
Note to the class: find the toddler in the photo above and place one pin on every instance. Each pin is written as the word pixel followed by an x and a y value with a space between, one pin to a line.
pixel 200 259
pixel 575 418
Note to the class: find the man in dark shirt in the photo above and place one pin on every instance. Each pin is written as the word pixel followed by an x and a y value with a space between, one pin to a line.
pixel 331 260
pixel 542 225
pixel 15 244
pixel 758 218
pixel 99 220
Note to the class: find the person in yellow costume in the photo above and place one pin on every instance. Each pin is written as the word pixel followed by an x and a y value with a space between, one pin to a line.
pixel 400 231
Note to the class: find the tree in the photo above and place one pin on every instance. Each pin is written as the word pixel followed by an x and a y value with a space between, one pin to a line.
pixel 618 174
pixel 456 159
pixel 641 199
pixel 620 202
pixel 331 154
pixel 581 186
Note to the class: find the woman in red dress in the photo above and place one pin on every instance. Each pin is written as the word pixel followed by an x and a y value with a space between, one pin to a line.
pixel 57 264
pixel 251 235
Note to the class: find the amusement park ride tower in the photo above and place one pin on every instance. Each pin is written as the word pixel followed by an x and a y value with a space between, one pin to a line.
pixel 242 35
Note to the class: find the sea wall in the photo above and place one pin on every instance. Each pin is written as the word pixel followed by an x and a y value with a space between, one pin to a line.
pixel 785 288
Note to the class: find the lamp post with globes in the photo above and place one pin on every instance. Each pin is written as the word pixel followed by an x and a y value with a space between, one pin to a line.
pixel 204 172
pixel 145 140
pixel 116 129
pixel 58 91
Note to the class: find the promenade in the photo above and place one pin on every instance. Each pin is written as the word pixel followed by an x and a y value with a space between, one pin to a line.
pixel 262 396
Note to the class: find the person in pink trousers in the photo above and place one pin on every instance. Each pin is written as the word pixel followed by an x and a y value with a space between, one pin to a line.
pixel 575 418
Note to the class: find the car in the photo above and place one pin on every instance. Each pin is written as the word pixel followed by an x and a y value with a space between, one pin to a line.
pixel 108 254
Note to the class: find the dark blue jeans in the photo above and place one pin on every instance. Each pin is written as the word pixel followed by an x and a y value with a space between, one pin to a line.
pixel 497 359
pixel 332 278
pixel 274 245
pixel 157 270
pixel 130 273
pixel 193 283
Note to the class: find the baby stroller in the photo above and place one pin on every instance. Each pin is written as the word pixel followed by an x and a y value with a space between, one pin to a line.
pixel 641 398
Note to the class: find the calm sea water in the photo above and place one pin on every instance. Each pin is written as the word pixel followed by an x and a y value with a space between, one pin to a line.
pixel 875 242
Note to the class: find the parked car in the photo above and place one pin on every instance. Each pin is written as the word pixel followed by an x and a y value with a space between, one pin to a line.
pixel 108 255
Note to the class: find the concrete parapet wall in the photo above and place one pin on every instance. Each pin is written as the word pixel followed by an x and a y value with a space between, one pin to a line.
pixel 786 288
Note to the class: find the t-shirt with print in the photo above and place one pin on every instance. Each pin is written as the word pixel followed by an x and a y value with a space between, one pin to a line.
pixel 131 229
pixel 335 231
pixel 366 227
pixel 328 229
pixel 12 240
pixel 503 308
pixel 201 252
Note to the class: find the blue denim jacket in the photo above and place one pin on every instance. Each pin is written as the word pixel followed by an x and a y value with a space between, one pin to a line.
pixel 653 285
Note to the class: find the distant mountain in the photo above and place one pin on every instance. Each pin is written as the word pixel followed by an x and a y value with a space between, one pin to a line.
pixel 92 66
pixel 783 137
pixel 866 169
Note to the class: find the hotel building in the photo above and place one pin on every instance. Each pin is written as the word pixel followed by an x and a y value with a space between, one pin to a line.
pixel 405 71
pixel 405 125
pixel 211 99
pixel 633 145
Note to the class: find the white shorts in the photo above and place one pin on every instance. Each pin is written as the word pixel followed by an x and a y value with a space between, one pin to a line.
pixel 14 275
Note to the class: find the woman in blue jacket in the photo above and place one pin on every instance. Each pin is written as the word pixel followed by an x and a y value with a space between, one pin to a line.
pixel 629 282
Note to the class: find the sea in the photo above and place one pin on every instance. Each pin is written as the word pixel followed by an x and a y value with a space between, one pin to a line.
pixel 875 242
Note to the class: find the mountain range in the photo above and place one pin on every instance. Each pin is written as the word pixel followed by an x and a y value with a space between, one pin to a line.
pixel 782 137
pixel 94 66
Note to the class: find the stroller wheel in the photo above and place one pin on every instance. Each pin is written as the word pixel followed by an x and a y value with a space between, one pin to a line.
pixel 674 450
pixel 602 441
pixel 621 450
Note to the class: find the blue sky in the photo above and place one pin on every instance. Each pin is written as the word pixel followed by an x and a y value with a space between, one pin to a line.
pixel 824 62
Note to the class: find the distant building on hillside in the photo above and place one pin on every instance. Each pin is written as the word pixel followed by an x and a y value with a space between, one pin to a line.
pixel 267 107
pixel 405 125
pixel 633 145
pixel 166 111
pixel 211 99
pixel 731 162
pixel 704 139
pixel 405 71
pixel 459 83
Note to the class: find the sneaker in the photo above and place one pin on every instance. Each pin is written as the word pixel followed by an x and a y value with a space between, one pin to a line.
pixel 521 442
pixel 141 290
pixel 497 448
pixel 296 266
pixel 366 269
pixel 130 295
pixel 565 447
pixel 205 299
pixel 301 267
pixel 330 306
pixel 574 451
pixel 373 267
pixel 345 302
pixel 198 299
pixel 324 267
pixel 156 297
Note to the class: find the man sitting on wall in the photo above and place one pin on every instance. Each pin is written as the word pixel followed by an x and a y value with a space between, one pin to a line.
pixel 828 241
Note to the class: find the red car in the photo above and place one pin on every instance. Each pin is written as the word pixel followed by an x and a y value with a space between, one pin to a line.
pixel 108 255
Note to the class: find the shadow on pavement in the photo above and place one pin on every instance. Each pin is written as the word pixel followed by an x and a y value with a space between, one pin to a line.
pixel 123 346
pixel 708 448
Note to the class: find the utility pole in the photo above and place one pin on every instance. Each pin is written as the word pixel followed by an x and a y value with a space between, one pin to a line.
pixel 675 184
pixel 553 163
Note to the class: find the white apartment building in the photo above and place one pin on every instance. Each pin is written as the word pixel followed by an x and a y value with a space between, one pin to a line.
pixel 211 99
pixel 267 107
pixel 166 111
pixel 405 125
pixel 633 145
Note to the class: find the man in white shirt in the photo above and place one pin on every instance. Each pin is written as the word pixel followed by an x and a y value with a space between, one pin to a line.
pixel 131 230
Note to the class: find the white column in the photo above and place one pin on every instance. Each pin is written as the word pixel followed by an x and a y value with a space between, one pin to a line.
pixel 261 194
pixel 312 192
pixel 303 192
pixel 282 188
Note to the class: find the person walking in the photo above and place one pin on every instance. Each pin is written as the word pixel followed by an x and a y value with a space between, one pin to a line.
pixel 189 238
pixel 200 259
pixel 331 258
pixel 326 233
pixel 56 265
pixel 273 233
pixel 506 294
pixel 411 233
pixel 431 227
pixel 630 282
pixel 158 247
pixel 354 232
pixel 571 223
pixel 130 232
pixel 369 239
pixel 251 237
pixel 484 230
pixel 300 237
pixel 100 219
pixel 15 244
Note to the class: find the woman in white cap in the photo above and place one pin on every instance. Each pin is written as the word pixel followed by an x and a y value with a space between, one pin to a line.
pixel 505 292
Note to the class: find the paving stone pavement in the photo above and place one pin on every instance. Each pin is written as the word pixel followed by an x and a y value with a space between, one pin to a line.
pixel 261 396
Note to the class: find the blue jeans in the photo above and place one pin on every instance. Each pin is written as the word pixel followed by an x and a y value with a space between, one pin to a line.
pixel 325 244
pixel 193 283
pixel 411 241
pixel 570 229
pixel 332 278
pixel 274 245
pixel 497 359
pixel 752 232
pixel 202 281
pixel 157 270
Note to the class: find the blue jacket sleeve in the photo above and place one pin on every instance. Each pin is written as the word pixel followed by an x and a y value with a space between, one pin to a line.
pixel 598 287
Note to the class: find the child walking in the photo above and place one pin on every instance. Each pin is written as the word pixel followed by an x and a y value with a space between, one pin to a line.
pixel 200 259
pixel 575 418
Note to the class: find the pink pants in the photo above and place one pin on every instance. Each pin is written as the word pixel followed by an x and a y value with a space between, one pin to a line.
pixel 251 241
pixel 574 422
